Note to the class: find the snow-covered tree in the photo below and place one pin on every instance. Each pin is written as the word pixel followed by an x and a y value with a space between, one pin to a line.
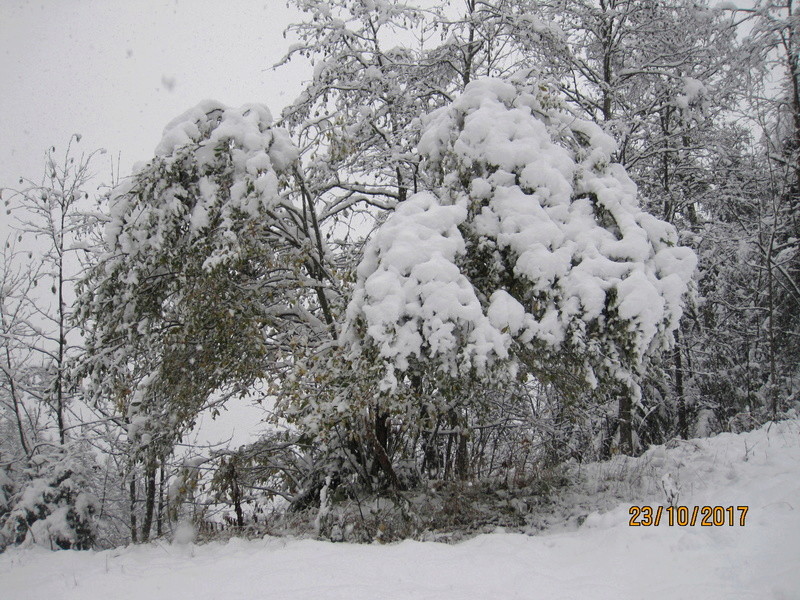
pixel 355 118
pixel 55 508
pixel 43 457
pixel 740 350
pixel 52 219
pixel 18 358
pixel 775 233
pixel 668 100
pixel 210 270
pixel 529 257
pixel 378 66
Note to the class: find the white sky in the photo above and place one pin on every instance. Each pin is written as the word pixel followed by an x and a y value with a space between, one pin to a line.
pixel 103 68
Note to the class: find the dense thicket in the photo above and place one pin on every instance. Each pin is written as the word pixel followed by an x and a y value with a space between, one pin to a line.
pixel 486 239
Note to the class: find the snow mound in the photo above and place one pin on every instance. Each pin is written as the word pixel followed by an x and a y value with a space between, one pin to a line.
pixel 603 559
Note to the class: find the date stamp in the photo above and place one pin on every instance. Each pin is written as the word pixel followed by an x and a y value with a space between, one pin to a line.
pixel 705 516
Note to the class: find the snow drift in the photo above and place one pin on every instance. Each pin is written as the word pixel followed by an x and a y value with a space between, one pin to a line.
pixel 604 558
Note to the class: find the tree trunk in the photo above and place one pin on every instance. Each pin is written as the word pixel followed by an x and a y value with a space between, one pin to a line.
pixel 683 429
pixel 62 340
pixel 160 509
pixel 236 495
pixel 379 434
pixel 462 457
pixel 625 425
pixel 133 507
pixel 150 499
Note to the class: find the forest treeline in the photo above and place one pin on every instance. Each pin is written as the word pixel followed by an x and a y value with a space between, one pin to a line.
pixel 489 238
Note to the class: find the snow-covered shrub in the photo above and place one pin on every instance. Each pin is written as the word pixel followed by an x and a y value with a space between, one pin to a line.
pixel 525 277
pixel 529 254
pixel 54 508
pixel 531 244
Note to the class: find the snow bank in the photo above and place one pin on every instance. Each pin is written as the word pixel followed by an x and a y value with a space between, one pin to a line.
pixel 603 559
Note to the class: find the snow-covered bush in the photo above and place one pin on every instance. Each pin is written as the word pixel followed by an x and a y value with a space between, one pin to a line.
pixel 529 254
pixel 54 508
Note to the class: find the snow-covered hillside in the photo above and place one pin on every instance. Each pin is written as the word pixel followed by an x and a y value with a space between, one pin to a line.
pixel 602 558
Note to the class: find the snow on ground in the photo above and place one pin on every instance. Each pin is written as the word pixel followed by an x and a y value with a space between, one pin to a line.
pixel 603 558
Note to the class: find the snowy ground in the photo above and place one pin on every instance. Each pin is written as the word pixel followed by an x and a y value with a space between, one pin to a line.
pixel 603 558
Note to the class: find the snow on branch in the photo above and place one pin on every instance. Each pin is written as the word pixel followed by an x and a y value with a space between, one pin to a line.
pixel 532 239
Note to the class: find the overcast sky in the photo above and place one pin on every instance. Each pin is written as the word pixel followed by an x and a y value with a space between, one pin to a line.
pixel 116 71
